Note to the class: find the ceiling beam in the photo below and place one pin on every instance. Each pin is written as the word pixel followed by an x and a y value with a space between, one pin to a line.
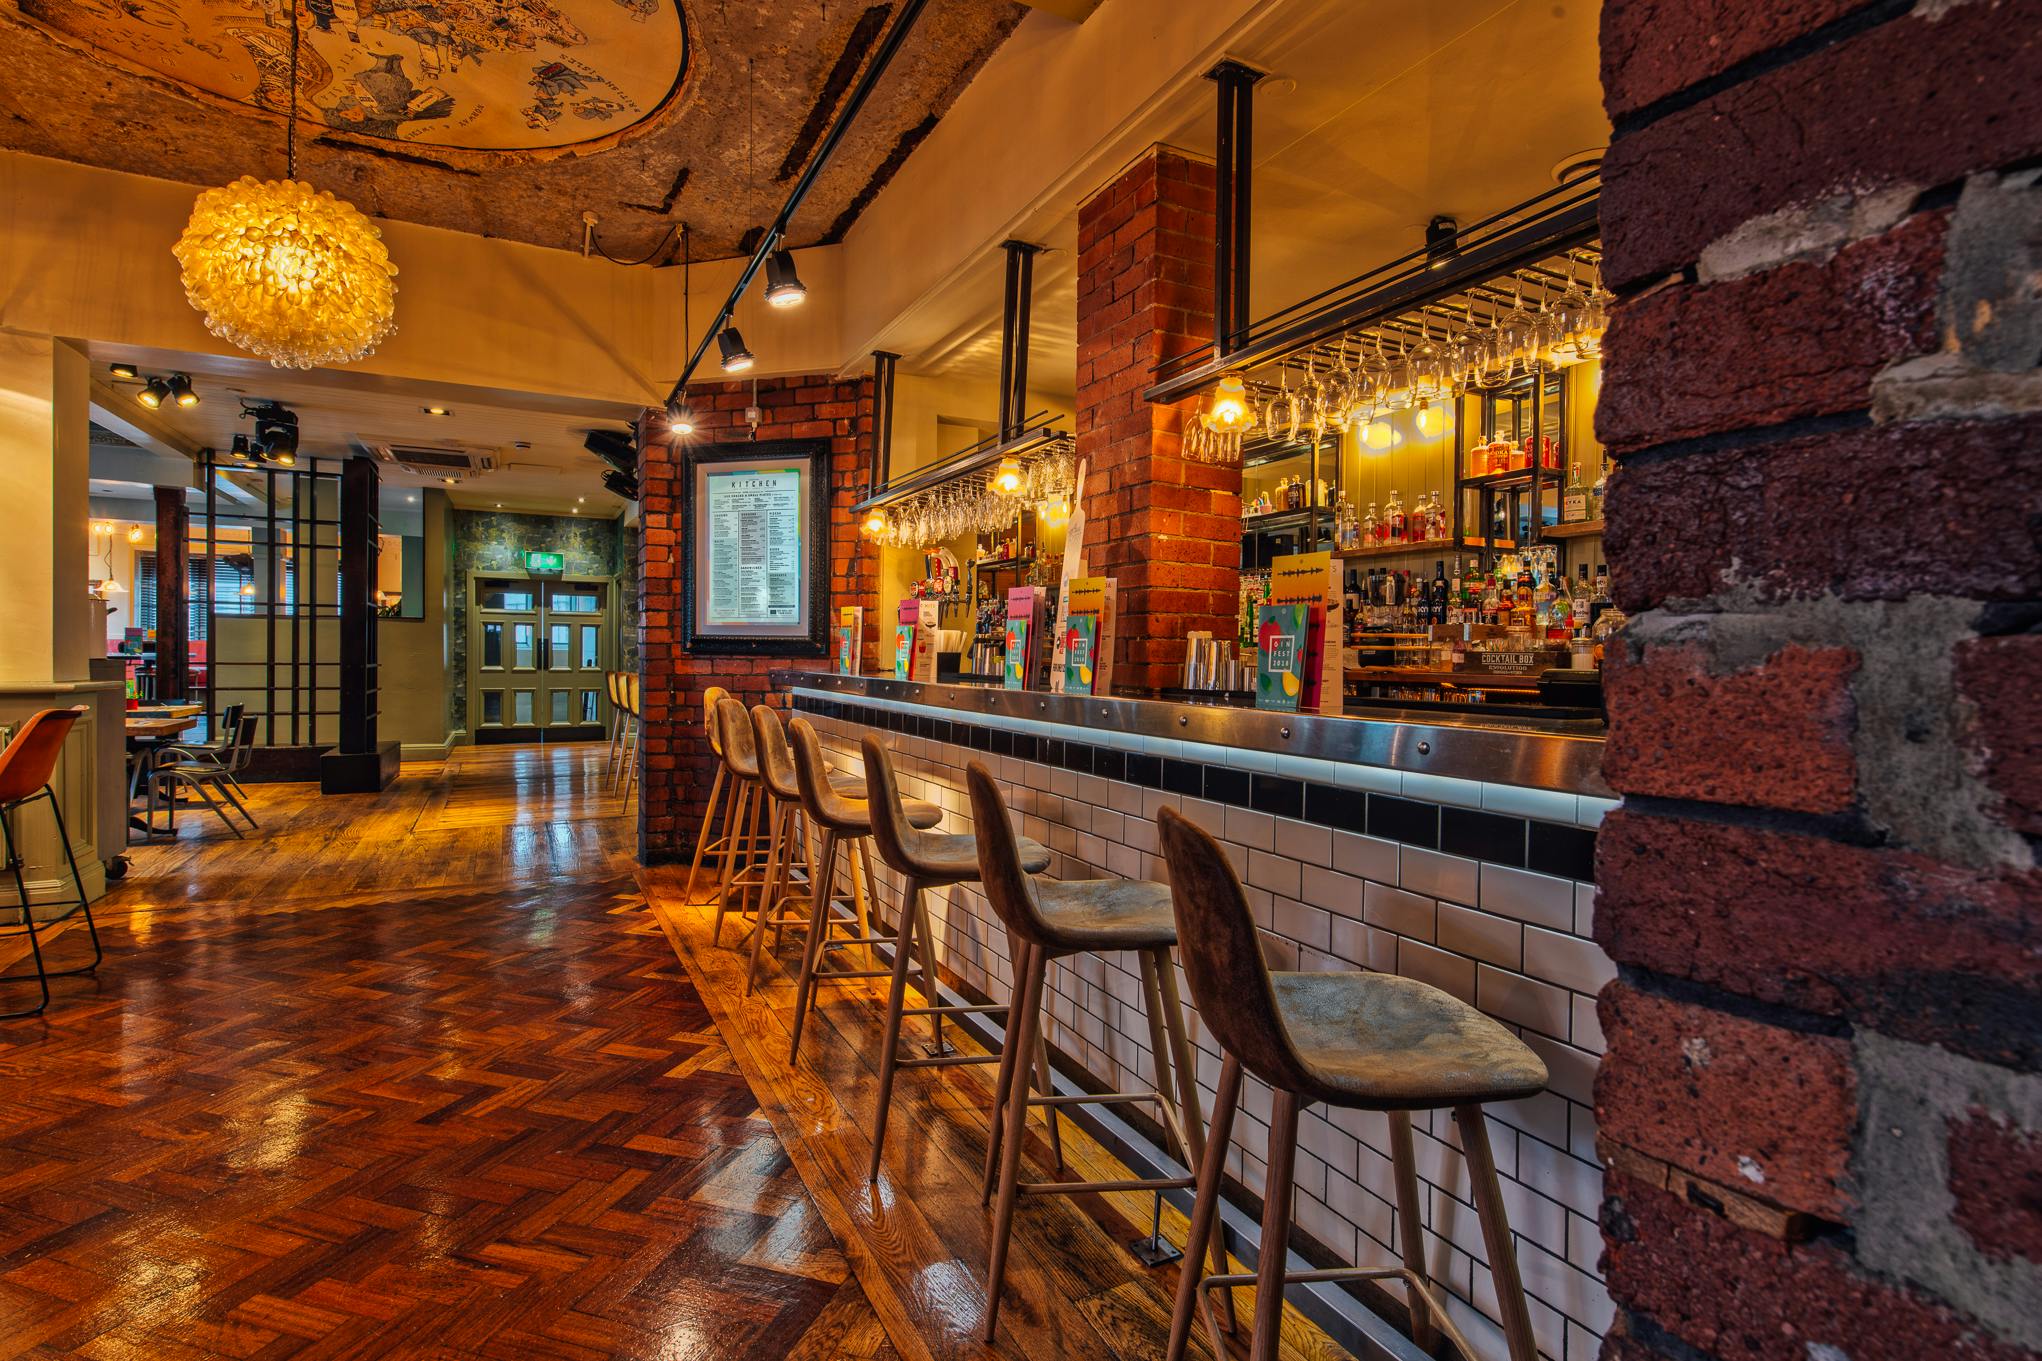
pixel 1077 11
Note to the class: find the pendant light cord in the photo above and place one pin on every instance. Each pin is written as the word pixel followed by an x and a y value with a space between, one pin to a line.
pixel 291 107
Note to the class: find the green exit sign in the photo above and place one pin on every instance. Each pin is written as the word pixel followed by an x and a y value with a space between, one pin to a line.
pixel 545 562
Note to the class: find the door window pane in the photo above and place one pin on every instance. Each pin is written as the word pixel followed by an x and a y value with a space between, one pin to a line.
pixel 524 646
pixel 492 644
pixel 504 595
pixel 591 639
pixel 561 699
pixel 575 598
pixel 492 707
pixel 521 708
pixel 560 647
pixel 588 706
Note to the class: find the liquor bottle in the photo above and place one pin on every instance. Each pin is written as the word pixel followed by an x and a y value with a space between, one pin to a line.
pixel 1439 592
pixel 1596 490
pixel 1376 527
pixel 1399 524
pixel 1574 503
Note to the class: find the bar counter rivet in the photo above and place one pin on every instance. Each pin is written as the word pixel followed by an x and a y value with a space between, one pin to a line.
pixel 1283 732
pixel 1425 748
pixel 1184 720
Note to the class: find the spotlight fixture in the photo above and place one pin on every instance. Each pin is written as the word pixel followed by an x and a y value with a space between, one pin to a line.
pixel 621 483
pixel 680 417
pixel 736 358
pixel 181 391
pixel 448 481
pixel 124 370
pixel 436 411
pixel 783 286
pixel 1442 241
pixel 287 458
pixel 276 434
pixel 614 447
pixel 153 394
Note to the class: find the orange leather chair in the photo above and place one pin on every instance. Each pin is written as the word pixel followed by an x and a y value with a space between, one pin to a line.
pixel 25 769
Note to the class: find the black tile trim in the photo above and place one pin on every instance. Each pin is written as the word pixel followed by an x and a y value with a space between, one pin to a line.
pixel 1331 806
pixel 1276 795
pixel 1405 820
pixel 1559 849
pixel 1483 836
pixel 1227 784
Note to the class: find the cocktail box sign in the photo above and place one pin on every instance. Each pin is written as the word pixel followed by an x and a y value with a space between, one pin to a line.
pixel 850 640
pixel 1088 637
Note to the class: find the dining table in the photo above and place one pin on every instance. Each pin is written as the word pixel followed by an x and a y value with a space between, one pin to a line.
pixel 148 732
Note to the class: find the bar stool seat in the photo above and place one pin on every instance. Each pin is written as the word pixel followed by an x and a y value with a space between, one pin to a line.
pixel 952 857
pixel 1381 1042
pixel 1106 914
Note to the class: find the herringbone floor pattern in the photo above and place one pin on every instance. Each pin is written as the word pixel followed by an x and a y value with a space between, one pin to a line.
pixel 372 1111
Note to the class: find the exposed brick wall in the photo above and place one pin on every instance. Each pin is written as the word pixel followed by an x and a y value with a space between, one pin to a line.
pixel 1166 529
pixel 678 766
pixel 1822 1098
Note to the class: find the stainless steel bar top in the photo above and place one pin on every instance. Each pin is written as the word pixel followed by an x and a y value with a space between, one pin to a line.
pixel 1534 753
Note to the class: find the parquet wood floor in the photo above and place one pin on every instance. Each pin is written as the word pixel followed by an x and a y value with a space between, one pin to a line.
pixel 390 1080
pixel 919 1239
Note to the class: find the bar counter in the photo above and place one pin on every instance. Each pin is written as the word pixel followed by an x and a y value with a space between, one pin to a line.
pixel 1456 849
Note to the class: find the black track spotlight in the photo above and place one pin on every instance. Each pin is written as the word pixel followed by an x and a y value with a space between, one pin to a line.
pixel 783 286
pixel 621 484
pixel 181 390
pixel 736 358
pixel 616 448
pixel 680 417
pixel 154 393
pixel 124 370
pixel 1442 240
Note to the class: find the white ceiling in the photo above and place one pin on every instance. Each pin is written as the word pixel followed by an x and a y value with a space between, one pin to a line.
pixel 1375 115
pixel 536 442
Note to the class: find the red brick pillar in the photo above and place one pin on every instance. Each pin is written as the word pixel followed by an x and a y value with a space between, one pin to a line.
pixel 1821 1104
pixel 678 765
pixel 1169 531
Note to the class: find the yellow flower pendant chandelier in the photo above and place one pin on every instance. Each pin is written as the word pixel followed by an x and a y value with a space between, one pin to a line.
pixel 284 271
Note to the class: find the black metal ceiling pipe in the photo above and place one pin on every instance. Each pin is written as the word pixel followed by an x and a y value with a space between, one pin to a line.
pixel 1014 334
pixel 889 47
pixel 1235 159
pixel 882 419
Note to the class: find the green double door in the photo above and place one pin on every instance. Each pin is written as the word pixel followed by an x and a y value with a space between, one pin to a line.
pixel 539 649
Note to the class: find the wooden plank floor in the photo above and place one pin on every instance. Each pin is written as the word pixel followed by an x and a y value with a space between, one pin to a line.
pixel 411 1074
pixel 919 1239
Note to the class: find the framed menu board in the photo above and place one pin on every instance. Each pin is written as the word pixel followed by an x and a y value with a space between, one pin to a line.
pixel 754 534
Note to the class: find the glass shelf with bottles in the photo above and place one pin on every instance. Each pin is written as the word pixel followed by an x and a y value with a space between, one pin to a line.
pixel 1394 529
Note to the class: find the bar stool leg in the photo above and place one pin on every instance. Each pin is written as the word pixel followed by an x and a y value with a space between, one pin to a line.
pixel 779 883
pixel 1276 1190
pixel 821 888
pixel 1185 1064
pixel 1205 1212
pixel 1411 1229
pixel 35 948
pixel 708 827
pixel 742 816
pixel 1517 1329
pixel 896 1002
pixel 1025 1023
pixel 936 1047
pixel 1023 962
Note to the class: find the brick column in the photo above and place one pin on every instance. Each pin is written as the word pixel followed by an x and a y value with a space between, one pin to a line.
pixel 678 765
pixel 1821 1105
pixel 1169 531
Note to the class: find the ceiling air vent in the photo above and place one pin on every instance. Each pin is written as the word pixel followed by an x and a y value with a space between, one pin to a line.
pixel 435 461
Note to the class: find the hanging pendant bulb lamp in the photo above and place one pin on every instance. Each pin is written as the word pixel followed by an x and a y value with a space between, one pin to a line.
pixel 285 271
pixel 736 357
pixel 783 286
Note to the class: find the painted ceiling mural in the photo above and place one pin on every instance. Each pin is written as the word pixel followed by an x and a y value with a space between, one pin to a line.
pixel 495 75
pixel 507 118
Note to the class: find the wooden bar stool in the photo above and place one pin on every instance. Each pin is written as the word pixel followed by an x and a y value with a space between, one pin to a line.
pixel 705 843
pixel 838 820
pixel 1047 919
pixel 636 739
pixel 25 770
pixel 786 841
pixel 1362 1041
pixel 925 860
pixel 743 870
pixel 613 682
